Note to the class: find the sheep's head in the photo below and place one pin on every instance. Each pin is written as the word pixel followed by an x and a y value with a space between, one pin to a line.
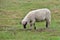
pixel 24 23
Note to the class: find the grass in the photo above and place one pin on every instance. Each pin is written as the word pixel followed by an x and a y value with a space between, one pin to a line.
pixel 12 12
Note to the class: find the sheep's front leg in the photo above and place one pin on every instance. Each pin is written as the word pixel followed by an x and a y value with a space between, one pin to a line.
pixel 32 24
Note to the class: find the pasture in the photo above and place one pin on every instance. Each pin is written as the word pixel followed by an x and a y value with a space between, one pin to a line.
pixel 12 12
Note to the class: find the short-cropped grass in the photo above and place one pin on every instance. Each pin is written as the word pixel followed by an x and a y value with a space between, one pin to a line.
pixel 12 12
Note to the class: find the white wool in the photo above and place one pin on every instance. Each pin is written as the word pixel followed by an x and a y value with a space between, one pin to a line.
pixel 39 14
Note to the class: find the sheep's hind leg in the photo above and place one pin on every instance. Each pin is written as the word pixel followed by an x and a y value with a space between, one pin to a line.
pixel 47 23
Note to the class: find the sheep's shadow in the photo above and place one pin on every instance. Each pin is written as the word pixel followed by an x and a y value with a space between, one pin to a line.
pixel 8 28
pixel 15 30
pixel 37 30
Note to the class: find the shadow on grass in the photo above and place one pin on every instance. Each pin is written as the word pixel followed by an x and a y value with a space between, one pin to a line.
pixel 9 28
pixel 15 30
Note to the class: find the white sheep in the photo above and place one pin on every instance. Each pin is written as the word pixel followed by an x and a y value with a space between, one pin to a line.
pixel 37 15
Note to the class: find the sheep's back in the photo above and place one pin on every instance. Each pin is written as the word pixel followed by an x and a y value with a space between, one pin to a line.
pixel 39 14
pixel 42 14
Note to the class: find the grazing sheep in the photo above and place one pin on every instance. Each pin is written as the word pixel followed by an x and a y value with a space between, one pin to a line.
pixel 37 15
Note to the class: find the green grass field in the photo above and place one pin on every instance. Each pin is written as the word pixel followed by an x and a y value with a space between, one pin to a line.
pixel 12 11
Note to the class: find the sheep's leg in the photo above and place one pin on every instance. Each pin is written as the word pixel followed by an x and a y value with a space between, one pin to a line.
pixel 47 23
pixel 48 20
pixel 33 23
pixel 30 25
pixel 34 26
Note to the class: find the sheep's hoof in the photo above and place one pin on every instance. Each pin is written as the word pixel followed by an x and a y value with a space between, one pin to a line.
pixel 24 27
pixel 47 27
pixel 35 28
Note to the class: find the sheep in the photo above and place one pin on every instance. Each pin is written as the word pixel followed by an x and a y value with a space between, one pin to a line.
pixel 37 15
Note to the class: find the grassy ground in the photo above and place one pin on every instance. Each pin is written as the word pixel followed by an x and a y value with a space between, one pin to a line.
pixel 12 11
